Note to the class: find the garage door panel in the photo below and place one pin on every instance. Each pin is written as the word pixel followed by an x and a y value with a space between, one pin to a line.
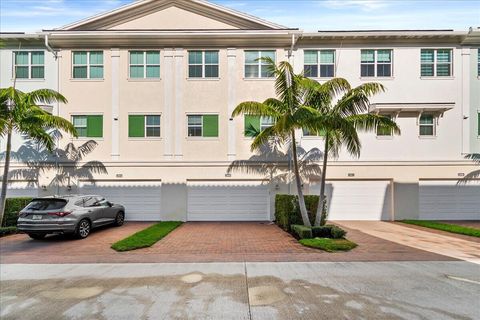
pixel 142 200
pixel 227 201
pixel 357 200
pixel 445 200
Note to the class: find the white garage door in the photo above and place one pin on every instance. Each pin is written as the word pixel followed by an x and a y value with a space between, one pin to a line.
pixel 140 198
pixel 357 200
pixel 228 201
pixel 21 189
pixel 445 200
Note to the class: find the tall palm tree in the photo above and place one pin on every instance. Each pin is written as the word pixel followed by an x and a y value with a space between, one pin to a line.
pixel 344 112
pixel 288 112
pixel 22 113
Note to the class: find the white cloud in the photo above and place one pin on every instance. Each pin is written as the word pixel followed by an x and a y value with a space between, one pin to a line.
pixel 366 5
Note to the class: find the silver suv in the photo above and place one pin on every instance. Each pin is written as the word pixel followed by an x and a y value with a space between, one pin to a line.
pixel 73 214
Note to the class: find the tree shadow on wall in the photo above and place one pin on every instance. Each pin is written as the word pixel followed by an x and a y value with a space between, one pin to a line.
pixel 66 163
pixel 475 157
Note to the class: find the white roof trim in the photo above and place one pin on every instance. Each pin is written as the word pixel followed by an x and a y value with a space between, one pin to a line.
pixel 138 3
pixel 411 107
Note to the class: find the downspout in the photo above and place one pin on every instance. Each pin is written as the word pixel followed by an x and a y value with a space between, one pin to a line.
pixel 47 45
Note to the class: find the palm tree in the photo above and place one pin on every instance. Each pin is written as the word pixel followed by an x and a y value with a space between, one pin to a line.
pixel 475 157
pixel 288 112
pixel 22 113
pixel 344 112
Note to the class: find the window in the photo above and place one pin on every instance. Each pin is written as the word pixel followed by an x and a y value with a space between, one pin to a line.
pixel 29 64
pixel 145 64
pixel 384 132
pixel 436 62
pixel 376 63
pixel 427 125
pixel 256 124
pixel 141 126
pixel 88 64
pixel 88 126
pixel 319 63
pixel 202 125
pixel 203 64
pixel 255 68
pixel 308 133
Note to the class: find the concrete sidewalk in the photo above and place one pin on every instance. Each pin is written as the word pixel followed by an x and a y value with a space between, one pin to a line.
pixel 354 290
pixel 419 239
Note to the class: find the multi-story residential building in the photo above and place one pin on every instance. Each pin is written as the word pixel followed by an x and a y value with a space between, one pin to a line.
pixel 155 83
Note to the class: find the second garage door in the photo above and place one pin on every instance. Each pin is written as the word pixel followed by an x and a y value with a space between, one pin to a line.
pixel 140 198
pixel 357 200
pixel 228 201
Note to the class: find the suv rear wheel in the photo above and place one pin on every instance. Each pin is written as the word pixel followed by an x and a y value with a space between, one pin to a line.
pixel 83 229
pixel 37 236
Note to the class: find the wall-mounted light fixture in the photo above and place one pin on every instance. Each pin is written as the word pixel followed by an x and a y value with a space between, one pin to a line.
pixel 351 174
pixel 69 188
pixel 119 175
pixel 228 175
pixel 44 188
pixel 461 174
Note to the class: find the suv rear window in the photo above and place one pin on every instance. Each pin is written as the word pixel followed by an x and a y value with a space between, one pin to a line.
pixel 46 204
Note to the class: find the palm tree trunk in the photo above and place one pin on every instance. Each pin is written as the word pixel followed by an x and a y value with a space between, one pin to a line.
pixel 301 199
pixel 3 195
pixel 318 216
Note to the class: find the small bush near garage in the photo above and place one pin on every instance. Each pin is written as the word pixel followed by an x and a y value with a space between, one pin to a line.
pixel 147 237
pixel 12 207
pixel 328 231
pixel 302 232
pixel 5 231
pixel 287 210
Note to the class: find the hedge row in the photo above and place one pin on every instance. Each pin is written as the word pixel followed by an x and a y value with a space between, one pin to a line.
pixel 287 210
pixel 12 208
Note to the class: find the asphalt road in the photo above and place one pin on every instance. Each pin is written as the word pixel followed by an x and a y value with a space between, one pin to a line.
pixel 351 290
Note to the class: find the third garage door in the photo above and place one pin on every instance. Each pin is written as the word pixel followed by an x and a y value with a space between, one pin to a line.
pixel 357 199
pixel 228 201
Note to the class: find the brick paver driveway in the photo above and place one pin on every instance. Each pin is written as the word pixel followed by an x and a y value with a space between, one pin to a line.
pixel 202 242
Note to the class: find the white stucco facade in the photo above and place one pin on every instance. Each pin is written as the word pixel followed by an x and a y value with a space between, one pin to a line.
pixel 394 168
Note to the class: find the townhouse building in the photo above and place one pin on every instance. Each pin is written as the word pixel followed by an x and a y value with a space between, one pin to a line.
pixel 155 82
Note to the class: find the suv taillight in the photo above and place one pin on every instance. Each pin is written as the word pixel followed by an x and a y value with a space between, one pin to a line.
pixel 60 214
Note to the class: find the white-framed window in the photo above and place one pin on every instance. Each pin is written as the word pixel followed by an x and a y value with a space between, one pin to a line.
pixel 385 132
pixel 255 68
pixel 144 64
pixel 203 64
pixel 152 126
pixel 308 133
pixel 80 124
pixel 436 62
pixel 266 122
pixel 376 63
pixel 319 63
pixel 195 126
pixel 29 64
pixel 87 64
pixel 427 125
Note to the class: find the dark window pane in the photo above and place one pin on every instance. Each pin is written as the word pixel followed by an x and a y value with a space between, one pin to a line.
pixel 80 72
pixel 265 72
pixel 153 120
pixel 194 131
pixel 427 70
pixel 327 70
pixel 46 204
pixel 368 70
pixel 251 71
pixel 384 70
pixel 38 72
pixel 310 71
pixel 195 71
pixel 211 71
pixel 153 131
pixel 443 70
pixel 22 73
pixel 426 130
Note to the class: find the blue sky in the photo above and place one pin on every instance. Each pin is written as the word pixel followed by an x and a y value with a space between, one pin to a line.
pixel 309 15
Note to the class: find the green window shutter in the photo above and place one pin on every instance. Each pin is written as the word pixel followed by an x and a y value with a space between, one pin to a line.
pixel 95 126
pixel 252 123
pixel 210 125
pixel 136 126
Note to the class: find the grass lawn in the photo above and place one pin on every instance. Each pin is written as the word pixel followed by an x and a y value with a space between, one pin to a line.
pixel 330 245
pixel 147 237
pixel 453 228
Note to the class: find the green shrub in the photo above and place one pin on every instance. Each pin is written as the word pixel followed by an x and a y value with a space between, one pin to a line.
pixel 12 208
pixel 329 245
pixel 328 231
pixel 287 210
pixel 302 231
pixel 7 230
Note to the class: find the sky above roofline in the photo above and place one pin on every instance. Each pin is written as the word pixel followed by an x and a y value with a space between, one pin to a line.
pixel 308 15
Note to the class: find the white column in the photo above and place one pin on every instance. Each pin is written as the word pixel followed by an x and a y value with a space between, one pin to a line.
pixel 465 100
pixel 232 97
pixel 115 54
pixel 168 118
pixel 179 116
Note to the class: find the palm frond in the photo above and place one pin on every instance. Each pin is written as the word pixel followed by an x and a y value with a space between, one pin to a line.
pixel 370 122
pixel 255 108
